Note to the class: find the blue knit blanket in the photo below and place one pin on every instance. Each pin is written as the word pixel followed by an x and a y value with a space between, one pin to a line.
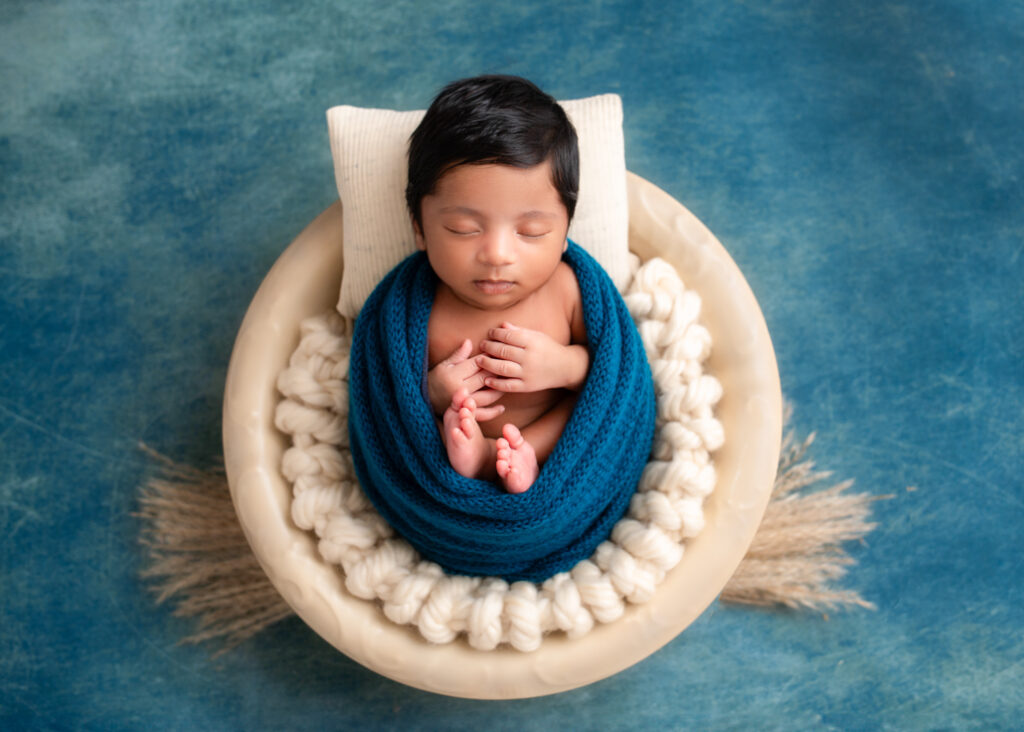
pixel 471 526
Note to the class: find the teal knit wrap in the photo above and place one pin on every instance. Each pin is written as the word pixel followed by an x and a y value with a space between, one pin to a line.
pixel 474 527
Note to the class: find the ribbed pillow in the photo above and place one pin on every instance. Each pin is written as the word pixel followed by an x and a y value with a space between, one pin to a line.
pixel 369 148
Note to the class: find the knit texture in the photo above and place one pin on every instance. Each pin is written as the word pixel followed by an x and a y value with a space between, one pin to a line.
pixel 474 527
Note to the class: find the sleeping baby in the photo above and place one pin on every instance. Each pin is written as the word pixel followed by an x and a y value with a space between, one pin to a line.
pixel 493 179
pixel 508 338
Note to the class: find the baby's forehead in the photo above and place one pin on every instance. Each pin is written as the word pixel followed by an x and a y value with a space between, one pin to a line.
pixel 498 192
pixel 478 180
pixel 528 214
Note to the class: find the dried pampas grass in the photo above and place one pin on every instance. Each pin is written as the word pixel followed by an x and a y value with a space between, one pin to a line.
pixel 198 557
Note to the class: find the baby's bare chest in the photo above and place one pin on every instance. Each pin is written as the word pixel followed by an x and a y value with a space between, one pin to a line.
pixel 451 323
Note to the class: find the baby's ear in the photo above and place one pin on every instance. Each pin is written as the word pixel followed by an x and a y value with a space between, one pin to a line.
pixel 565 246
pixel 417 232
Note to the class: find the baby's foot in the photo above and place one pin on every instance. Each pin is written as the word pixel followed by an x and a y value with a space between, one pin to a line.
pixel 467 447
pixel 517 462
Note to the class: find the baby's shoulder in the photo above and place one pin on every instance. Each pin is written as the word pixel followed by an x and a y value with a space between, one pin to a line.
pixel 567 291
pixel 564 282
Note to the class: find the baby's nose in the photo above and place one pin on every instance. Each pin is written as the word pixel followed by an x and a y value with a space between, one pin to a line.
pixel 497 249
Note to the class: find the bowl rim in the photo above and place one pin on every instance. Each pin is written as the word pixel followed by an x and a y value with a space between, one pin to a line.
pixel 751 412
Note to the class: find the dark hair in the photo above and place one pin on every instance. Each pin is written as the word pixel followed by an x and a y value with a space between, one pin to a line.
pixel 492 119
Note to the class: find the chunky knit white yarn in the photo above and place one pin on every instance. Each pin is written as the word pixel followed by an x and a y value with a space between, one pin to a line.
pixel 666 510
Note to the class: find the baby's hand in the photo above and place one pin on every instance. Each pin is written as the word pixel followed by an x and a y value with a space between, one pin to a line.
pixel 523 360
pixel 459 372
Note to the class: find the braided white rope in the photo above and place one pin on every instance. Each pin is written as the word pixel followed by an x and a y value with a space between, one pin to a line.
pixel 666 510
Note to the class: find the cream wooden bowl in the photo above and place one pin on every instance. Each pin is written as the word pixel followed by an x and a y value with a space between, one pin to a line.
pixel 305 281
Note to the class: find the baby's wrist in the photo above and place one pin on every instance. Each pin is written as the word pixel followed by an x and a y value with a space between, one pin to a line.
pixel 436 393
pixel 577 365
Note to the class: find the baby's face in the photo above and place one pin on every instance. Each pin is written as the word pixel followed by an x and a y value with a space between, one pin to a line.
pixel 493 233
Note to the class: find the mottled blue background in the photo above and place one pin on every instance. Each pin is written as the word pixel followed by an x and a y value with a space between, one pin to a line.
pixel 861 161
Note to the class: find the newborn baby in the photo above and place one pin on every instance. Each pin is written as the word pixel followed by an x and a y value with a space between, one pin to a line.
pixel 493 179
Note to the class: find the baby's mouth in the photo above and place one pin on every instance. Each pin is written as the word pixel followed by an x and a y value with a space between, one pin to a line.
pixel 493 287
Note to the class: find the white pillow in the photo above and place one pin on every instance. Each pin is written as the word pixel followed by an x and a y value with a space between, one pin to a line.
pixel 369 148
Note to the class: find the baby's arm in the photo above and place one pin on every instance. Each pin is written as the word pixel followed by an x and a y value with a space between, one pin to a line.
pixel 456 372
pixel 524 360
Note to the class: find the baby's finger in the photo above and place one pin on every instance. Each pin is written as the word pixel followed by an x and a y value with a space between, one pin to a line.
pixel 463 369
pixel 498 367
pixel 510 334
pixel 472 378
pixel 501 350
pixel 486 414
pixel 460 354
pixel 505 385
pixel 486 397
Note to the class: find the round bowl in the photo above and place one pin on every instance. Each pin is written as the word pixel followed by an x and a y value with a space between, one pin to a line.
pixel 305 281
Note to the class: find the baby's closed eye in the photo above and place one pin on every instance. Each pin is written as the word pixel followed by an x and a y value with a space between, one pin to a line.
pixel 462 230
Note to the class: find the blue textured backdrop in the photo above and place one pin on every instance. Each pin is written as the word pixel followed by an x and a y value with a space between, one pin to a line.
pixel 862 161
